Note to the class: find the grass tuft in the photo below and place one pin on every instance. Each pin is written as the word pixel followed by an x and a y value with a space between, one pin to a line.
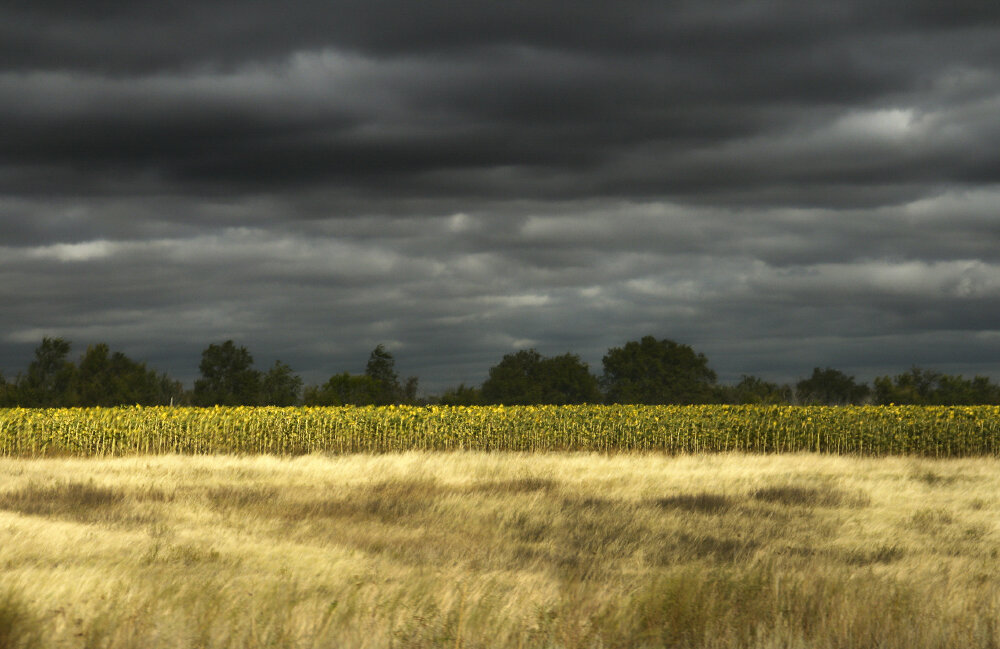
pixel 703 502
pixel 227 497
pixel 932 479
pixel 797 496
pixel 20 627
pixel 514 486
pixel 882 554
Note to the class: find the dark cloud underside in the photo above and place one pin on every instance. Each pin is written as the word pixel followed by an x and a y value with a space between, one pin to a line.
pixel 782 184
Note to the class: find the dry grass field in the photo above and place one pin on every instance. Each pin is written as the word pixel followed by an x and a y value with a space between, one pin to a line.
pixel 500 550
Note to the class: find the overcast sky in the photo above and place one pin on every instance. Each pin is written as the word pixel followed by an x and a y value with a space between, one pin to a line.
pixel 779 184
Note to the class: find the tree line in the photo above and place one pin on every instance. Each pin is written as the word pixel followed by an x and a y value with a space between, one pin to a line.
pixel 646 371
pixel 227 377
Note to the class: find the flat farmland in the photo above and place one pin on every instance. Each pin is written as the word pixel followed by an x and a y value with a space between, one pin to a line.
pixel 499 549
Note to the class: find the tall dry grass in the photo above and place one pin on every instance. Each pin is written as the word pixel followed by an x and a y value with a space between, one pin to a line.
pixel 499 550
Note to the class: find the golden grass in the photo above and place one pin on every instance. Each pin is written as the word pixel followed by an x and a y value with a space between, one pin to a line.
pixel 499 550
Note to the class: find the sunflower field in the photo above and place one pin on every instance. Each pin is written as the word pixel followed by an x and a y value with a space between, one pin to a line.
pixel 936 431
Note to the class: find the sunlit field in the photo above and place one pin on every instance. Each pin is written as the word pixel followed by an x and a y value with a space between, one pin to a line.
pixel 930 431
pixel 476 549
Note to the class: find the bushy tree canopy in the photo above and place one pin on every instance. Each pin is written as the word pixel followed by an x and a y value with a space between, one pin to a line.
pixel 926 387
pixel 830 387
pixel 651 371
pixel 50 376
pixel 109 379
pixel 279 386
pixel 461 395
pixel 227 377
pixel 527 377
pixel 379 385
pixel 101 378
pixel 381 368
pixel 344 389
pixel 755 390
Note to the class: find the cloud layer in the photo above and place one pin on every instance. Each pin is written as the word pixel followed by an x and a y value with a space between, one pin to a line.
pixel 779 184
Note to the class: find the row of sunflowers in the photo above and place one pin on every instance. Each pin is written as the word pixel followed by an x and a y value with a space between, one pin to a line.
pixel 866 430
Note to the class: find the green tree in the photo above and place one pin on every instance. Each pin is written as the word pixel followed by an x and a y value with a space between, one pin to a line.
pixel 566 380
pixel 171 392
pixel 463 395
pixel 983 392
pixel 514 379
pixel 410 389
pixel 95 378
pixel 100 378
pixel 378 386
pixel 526 377
pixel 227 377
pixel 755 390
pixel 830 387
pixel 279 386
pixel 50 376
pixel 345 389
pixel 381 368
pixel 927 387
pixel 106 379
pixel 651 371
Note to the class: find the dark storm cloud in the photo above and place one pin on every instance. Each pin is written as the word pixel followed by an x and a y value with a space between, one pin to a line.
pixel 627 98
pixel 781 184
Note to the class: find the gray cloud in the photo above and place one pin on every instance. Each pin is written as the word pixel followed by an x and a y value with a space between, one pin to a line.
pixel 780 184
